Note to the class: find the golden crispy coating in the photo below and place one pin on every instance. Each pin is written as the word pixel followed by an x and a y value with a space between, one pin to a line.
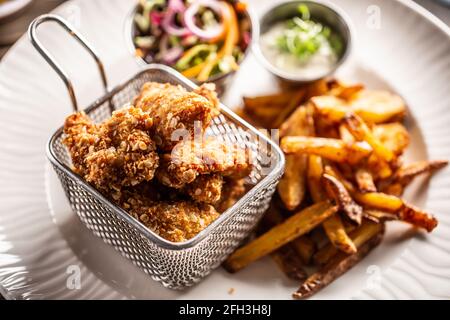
pixel 175 221
pixel 208 90
pixel 175 110
pixel 191 158
pixel 232 191
pixel 118 152
pixel 205 188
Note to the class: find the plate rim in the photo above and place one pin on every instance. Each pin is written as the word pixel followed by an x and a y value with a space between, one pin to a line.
pixel 411 5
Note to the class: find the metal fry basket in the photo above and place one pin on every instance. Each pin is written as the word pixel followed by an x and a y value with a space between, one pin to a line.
pixel 175 265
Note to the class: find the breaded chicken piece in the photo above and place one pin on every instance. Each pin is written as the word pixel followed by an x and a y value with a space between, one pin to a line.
pixel 232 191
pixel 176 221
pixel 205 188
pixel 175 111
pixel 118 152
pixel 189 159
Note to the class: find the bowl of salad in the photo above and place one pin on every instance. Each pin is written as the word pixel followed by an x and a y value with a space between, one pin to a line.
pixel 303 41
pixel 205 40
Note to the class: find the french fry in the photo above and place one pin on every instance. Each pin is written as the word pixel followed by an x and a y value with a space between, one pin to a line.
pixel 376 106
pixel 393 136
pixel 292 186
pixel 330 108
pixel 408 172
pixel 337 266
pixel 417 217
pixel 332 149
pixel 293 227
pixel 338 236
pixel 295 101
pixel 299 123
pixel 289 262
pixel 304 247
pixel 277 101
pixel 317 88
pixel 378 200
pixel 364 180
pixel 288 258
pixel 315 171
pixel 345 135
pixel 379 216
pixel 358 236
pixel 344 91
pixel 334 172
pixel 361 131
pixel 380 168
pixel 337 191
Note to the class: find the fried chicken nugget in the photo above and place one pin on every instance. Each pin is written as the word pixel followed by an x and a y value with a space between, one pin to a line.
pixel 118 152
pixel 175 111
pixel 205 188
pixel 176 221
pixel 232 191
pixel 190 158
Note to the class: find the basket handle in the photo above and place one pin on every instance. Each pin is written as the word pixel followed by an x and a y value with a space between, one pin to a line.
pixel 51 60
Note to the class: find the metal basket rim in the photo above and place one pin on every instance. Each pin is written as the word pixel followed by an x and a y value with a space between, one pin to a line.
pixel 144 231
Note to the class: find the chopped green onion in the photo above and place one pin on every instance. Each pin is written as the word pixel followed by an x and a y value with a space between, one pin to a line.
pixel 304 37
pixel 304 11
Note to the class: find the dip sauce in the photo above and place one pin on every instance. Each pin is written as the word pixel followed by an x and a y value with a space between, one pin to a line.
pixel 319 63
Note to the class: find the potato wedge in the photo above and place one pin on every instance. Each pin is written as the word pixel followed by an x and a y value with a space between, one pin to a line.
pixel 364 180
pixel 335 231
pixel 337 192
pixel 361 132
pixel 293 227
pixel 358 236
pixel 376 106
pixel 332 149
pixel 417 217
pixel 393 136
pixel 337 266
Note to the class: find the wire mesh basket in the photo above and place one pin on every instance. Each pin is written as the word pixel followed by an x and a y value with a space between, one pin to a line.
pixel 175 265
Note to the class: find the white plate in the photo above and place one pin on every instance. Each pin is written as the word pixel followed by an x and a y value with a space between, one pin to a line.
pixel 10 7
pixel 43 245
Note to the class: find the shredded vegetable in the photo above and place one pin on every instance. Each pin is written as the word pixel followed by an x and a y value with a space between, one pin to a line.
pixel 200 38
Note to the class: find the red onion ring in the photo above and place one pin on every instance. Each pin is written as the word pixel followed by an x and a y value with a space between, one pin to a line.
pixel 189 18
pixel 168 23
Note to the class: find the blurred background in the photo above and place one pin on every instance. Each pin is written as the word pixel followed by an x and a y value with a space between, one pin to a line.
pixel 15 15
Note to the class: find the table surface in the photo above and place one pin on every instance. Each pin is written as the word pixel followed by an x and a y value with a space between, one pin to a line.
pixel 13 28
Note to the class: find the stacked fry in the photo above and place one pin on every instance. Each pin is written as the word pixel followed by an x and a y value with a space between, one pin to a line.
pixel 344 179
